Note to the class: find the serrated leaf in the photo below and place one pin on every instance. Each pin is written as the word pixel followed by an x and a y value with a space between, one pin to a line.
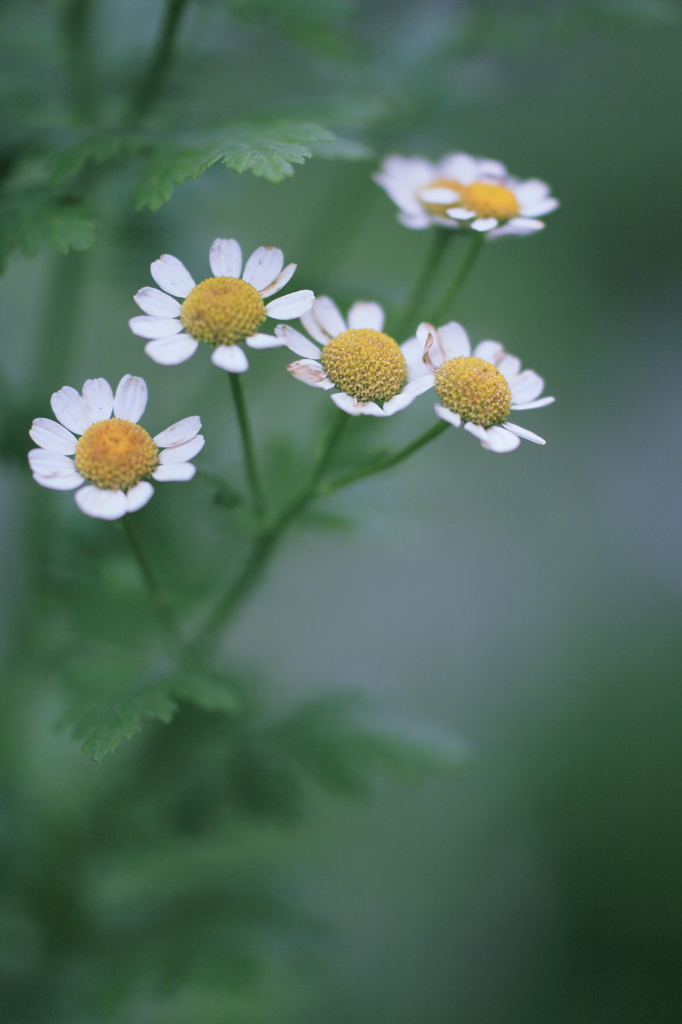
pixel 30 221
pixel 109 699
pixel 267 151
pixel 344 751
pixel 99 149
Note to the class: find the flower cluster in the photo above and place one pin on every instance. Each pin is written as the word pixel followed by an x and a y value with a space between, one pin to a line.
pixel 109 460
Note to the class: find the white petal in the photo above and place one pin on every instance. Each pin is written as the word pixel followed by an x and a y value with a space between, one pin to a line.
pixel 402 177
pixel 531 191
pixel 156 303
pixel 288 307
pixel 509 367
pixel 182 452
pixel 537 404
pixel 52 436
pixel 372 409
pixel 175 471
pixel 99 398
pixel 368 315
pixel 454 340
pixel 491 351
pixel 491 169
pixel 264 341
pixel 453 418
pixel 231 358
pixel 309 371
pixel 171 275
pixel 540 208
pixel 522 432
pixel 100 503
pixel 178 433
pixel 416 221
pixel 48 464
pixel 526 387
pixel 459 213
pixel 413 352
pixel 173 350
pixel 59 483
pixel 279 282
pixel 495 439
pixel 433 353
pixel 484 223
pixel 458 167
pixel 348 404
pixel 131 398
pixel 436 194
pixel 71 410
pixel 225 257
pixel 313 328
pixel 138 496
pixel 408 394
pixel 327 314
pixel 518 226
pixel 153 327
pixel 263 266
pixel 296 341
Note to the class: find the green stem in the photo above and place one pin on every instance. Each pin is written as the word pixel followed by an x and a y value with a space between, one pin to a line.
pixel 407 325
pixel 257 499
pixel 80 59
pixel 372 468
pixel 156 594
pixel 152 80
pixel 263 549
pixel 443 307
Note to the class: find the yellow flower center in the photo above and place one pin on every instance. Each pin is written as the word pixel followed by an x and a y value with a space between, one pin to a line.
pixel 115 454
pixel 490 200
pixel 222 311
pixel 368 365
pixel 439 209
pixel 475 389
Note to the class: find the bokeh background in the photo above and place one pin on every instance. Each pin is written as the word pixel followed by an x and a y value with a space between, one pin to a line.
pixel 529 602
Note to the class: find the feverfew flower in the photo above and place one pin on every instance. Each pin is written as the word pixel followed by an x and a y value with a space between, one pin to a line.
pixel 479 390
pixel 222 310
pixel 357 357
pixel 461 191
pixel 112 456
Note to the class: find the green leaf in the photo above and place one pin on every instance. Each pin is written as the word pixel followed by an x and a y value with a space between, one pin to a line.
pixel 99 149
pixel 267 151
pixel 32 220
pixel 208 690
pixel 106 707
pixel 344 752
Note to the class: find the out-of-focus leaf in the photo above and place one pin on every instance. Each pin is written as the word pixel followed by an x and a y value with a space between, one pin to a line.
pixel 313 23
pixel 268 151
pixel 33 219
pixel 109 704
pixel 99 149
pixel 344 751
pixel 207 690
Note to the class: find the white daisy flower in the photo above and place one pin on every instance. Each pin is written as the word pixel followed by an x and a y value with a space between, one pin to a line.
pixel 222 310
pixel 461 191
pixel 357 357
pixel 478 390
pixel 111 456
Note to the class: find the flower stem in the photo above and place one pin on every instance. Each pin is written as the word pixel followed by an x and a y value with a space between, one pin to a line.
pixel 78 17
pixel 151 82
pixel 372 468
pixel 442 308
pixel 407 324
pixel 264 548
pixel 257 498
pixel 156 594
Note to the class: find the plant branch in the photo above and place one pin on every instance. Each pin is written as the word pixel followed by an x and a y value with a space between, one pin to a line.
pixel 442 308
pixel 252 475
pixel 152 80
pixel 407 325
pixel 156 594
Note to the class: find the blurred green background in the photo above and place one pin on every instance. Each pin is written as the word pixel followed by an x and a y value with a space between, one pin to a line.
pixel 530 602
